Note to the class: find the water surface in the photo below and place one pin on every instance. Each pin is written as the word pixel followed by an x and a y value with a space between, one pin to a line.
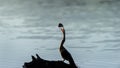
pixel 30 27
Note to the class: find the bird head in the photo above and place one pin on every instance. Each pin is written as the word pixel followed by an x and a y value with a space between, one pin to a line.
pixel 60 25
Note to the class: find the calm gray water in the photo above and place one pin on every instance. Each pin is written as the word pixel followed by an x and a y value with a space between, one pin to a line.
pixel 92 27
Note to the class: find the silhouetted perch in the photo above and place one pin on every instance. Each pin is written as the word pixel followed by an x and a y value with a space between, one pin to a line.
pixel 41 63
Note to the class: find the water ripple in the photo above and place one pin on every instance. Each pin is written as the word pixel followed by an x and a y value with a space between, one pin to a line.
pixel 86 47
pixel 110 40
pixel 111 49
pixel 50 37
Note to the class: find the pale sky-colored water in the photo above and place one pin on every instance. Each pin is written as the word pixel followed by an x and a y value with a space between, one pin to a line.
pixel 28 27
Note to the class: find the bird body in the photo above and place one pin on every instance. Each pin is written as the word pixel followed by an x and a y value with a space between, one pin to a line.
pixel 64 53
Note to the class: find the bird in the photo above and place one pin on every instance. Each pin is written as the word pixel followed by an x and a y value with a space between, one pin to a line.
pixel 64 52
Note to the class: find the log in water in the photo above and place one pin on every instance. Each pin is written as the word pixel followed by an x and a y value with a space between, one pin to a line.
pixel 41 63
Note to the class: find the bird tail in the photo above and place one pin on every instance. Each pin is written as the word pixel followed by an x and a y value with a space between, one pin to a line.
pixel 72 62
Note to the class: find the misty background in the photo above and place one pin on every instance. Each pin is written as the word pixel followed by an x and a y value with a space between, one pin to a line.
pixel 92 28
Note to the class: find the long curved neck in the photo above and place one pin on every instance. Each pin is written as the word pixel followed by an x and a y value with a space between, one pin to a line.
pixel 63 40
